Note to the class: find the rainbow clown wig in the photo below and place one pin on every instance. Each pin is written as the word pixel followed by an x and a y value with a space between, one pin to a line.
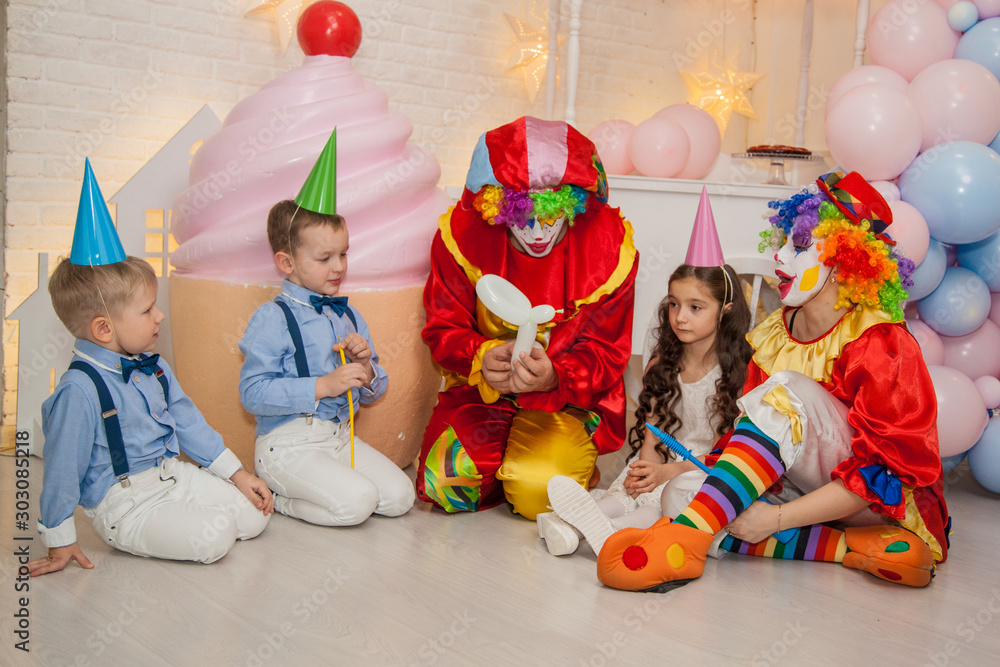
pixel 847 217
pixel 534 168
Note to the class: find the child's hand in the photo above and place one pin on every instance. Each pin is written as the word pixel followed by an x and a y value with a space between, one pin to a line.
pixel 57 559
pixel 255 490
pixel 355 347
pixel 645 476
pixel 340 379
pixel 755 523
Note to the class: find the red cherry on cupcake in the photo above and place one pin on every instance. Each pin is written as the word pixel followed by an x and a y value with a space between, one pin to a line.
pixel 330 28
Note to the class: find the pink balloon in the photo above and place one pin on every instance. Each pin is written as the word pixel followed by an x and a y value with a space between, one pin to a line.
pixel 888 190
pixel 994 315
pixel 929 341
pixel 946 3
pixel 989 388
pixel 909 231
pixel 702 131
pixel 611 139
pixel 659 147
pixel 906 36
pixel 957 100
pixel 859 76
pixel 974 354
pixel 987 8
pixel 875 130
pixel 962 414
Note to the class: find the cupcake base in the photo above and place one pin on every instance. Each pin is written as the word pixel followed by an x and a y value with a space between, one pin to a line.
pixel 207 362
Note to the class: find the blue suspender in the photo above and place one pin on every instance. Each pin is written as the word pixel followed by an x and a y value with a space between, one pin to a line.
pixel 301 365
pixel 109 413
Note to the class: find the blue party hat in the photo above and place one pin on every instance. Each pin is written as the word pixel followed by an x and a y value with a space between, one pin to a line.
pixel 95 241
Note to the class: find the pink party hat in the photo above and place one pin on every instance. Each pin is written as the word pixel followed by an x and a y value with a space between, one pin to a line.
pixel 704 248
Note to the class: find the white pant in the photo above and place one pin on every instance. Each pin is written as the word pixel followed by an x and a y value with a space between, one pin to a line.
pixel 309 467
pixel 176 511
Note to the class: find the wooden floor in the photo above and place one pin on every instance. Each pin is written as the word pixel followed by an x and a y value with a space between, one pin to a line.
pixel 429 588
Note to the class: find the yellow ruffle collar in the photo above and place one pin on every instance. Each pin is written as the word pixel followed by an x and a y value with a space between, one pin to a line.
pixel 776 349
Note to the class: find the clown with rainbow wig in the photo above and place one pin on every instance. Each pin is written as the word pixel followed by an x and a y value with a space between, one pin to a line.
pixel 534 212
pixel 837 434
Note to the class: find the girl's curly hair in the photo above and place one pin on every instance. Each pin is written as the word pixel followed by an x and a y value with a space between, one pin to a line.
pixel 661 392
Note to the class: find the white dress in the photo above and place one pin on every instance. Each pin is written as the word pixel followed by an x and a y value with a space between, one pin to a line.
pixel 697 433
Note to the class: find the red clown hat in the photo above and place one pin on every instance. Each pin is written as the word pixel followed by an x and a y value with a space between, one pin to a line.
pixel 858 200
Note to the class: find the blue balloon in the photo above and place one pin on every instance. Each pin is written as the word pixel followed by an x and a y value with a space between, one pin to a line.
pixel 984 457
pixel 983 257
pixel 949 463
pixel 959 305
pixel 956 187
pixel 962 15
pixel 982 45
pixel 929 272
pixel 995 144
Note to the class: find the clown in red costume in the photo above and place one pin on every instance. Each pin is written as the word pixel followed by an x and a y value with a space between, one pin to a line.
pixel 838 425
pixel 533 212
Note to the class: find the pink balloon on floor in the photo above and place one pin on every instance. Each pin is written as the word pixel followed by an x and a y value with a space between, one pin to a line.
pixel 929 341
pixel 957 100
pixel 611 139
pixel 974 354
pixel 860 76
pixel 659 147
pixel 962 413
pixel 989 388
pixel 702 131
pixel 909 231
pixel 875 130
pixel 907 36
pixel 987 8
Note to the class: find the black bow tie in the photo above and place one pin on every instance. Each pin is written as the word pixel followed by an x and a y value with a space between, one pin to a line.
pixel 338 304
pixel 144 366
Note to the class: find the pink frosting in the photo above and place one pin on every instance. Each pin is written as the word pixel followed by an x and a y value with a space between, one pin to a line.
pixel 386 188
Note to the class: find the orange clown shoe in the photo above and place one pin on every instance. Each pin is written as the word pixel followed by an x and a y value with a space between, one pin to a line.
pixel 890 553
pixel 654 560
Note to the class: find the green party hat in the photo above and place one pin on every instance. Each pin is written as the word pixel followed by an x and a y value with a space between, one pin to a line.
pixel 319 192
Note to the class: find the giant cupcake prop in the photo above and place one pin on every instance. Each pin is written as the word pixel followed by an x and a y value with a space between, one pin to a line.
pixel 386 190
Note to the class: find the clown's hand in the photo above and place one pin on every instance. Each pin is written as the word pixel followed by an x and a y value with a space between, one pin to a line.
pixel 496 367
pixel 533 372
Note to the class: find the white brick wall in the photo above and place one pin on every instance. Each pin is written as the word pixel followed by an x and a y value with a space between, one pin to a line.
pixel 114 80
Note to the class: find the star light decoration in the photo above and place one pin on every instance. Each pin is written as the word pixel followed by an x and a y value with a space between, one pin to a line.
pixel 722 89
pixel 286 15
pixel 531 53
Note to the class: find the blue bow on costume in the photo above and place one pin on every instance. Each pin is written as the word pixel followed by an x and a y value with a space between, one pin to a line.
pixel 145 366
pixel 338 304
pixel 883 483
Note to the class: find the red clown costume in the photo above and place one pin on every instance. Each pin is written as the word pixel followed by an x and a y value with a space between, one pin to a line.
pixel 481 445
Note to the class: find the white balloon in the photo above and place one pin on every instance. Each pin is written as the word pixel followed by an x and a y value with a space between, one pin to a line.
pixel 511 305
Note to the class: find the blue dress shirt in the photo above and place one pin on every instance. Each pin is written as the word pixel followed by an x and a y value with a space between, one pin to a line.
pixel 270 387
pixel 77 460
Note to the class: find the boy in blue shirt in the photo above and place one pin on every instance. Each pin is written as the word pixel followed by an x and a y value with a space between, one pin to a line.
pixel 118 419
pixel 299 389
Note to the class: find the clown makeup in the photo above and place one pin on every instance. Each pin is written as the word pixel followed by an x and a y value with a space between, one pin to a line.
pixel 537 238
pixel 800 273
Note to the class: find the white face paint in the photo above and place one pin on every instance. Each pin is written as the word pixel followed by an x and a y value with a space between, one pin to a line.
pixel 800 273
pixel 538 238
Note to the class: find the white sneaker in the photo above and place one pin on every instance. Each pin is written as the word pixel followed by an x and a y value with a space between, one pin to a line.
pixel 579 509
pixel 560 538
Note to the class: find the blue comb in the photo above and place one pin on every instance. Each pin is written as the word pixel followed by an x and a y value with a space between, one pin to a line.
pixel 677 448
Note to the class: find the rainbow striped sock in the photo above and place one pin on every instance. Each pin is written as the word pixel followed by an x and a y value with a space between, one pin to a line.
pixel 749 465
pixel 815 543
